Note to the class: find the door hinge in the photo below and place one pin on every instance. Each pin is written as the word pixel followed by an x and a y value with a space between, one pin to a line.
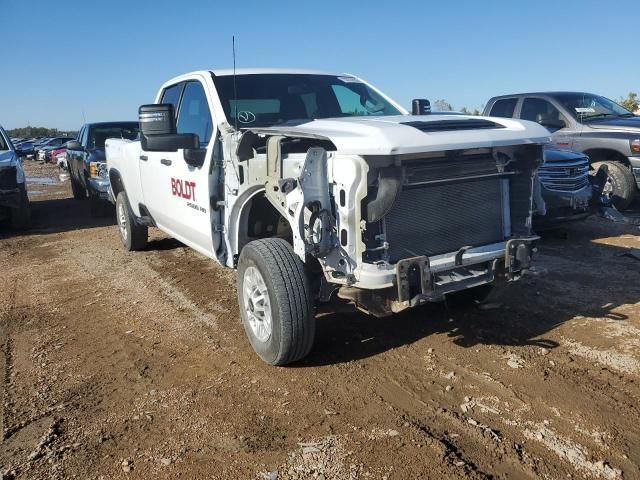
pixel 219 228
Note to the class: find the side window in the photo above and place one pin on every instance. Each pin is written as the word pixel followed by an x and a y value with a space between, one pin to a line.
pixel 194 115
pixel 504 108
pixel 83 136
pixel 172 95
pixel 537 109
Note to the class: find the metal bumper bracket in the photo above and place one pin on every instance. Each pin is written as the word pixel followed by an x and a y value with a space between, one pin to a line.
pixel 416 267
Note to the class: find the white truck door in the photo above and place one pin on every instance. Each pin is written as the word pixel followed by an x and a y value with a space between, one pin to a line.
pixel 183 204
pixel 154 174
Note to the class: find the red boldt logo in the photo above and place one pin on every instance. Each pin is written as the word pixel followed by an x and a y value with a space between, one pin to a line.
pixel 184 189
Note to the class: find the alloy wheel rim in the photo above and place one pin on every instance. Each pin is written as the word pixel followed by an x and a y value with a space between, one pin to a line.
pixel 122 221
pixel 256 304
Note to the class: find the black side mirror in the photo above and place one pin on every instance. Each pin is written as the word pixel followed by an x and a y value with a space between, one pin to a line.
pixel 194 157
pixel 420 106
pixel 551 123
pixel 158 130
pixel 74 145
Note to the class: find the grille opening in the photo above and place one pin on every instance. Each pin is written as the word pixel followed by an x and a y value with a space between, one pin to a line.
pixel 564 176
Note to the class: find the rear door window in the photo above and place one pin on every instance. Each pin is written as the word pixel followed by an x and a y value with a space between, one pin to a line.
pixel 504 108
pixel 194 115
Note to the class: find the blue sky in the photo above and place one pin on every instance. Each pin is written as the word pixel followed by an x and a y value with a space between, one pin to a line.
pixel 63 58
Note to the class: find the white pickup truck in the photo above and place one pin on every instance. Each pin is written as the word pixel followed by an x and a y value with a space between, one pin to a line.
pixel 316 186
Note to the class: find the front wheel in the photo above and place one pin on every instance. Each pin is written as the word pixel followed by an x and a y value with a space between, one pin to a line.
pixel 133 235
pixel 620 185
pixel 276 304
pixel 78 190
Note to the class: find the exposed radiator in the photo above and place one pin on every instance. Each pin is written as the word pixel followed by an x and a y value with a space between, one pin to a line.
pixel 430 220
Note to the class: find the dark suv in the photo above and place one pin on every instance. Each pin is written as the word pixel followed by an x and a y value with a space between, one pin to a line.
pixel 86 160
pixel 590 123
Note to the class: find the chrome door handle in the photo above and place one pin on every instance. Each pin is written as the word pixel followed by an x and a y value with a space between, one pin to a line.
pixel 144 158
pixel 166 162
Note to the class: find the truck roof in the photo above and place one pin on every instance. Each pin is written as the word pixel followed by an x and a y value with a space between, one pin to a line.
pixel 253 71
pixel 550 94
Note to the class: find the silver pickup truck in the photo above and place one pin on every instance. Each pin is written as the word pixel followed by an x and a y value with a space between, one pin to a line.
pixel 315 186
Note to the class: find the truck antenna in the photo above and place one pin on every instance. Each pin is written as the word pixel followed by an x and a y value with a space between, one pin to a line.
pixel 235 90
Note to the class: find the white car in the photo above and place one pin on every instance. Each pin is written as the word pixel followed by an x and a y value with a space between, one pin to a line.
pixel 315 186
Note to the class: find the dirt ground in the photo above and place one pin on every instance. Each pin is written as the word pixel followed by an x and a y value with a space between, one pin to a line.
pixel 116 365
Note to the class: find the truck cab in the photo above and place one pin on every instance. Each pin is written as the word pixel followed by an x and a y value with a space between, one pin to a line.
pixel 317 186
pixel 87 164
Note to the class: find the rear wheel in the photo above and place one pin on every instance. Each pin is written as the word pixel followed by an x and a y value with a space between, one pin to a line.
pixel 133 235
pixel 620 185
pixel 276 304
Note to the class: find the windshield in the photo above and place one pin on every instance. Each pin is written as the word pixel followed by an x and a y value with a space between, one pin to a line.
pixel 100 133
pixel 586 106
pixel 263 100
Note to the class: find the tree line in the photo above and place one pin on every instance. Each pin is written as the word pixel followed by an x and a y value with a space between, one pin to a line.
pixel 30 132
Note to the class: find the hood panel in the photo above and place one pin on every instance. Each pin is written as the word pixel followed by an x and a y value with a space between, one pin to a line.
pixel 631 124
pixel 389 135
pixel 553 153
pixel 7 158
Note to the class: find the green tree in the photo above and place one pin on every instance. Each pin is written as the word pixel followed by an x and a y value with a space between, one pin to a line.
pixel 442 106
pixel 28 132
pixel 631 102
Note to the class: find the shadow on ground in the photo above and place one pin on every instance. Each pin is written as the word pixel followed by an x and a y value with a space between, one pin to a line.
pixel 577 275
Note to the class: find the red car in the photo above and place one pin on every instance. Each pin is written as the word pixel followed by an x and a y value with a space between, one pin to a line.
pixel 51 155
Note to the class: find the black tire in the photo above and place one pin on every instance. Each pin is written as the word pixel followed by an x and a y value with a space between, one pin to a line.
pixel 21 216
pixel 293 324
pixel 133 235
pixel 470 296
pixel 78 190
pixel 622 182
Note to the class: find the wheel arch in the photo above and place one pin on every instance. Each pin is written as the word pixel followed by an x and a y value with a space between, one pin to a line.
pixel 115 182
pixel 254 201
pixel 602 154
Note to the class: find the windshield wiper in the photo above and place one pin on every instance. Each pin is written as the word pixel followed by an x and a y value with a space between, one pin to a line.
pixel 598 115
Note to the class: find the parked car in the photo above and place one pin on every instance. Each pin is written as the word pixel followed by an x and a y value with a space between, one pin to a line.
pixel 14 202
pixel 314 185
pixel 61 161
pixel 51 144
pixel 50 155
pixel 25 149
pixel 589 123
pixel 86 160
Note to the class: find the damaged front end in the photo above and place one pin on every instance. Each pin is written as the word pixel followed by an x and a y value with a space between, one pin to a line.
pixel 391 232
pixel 443 223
